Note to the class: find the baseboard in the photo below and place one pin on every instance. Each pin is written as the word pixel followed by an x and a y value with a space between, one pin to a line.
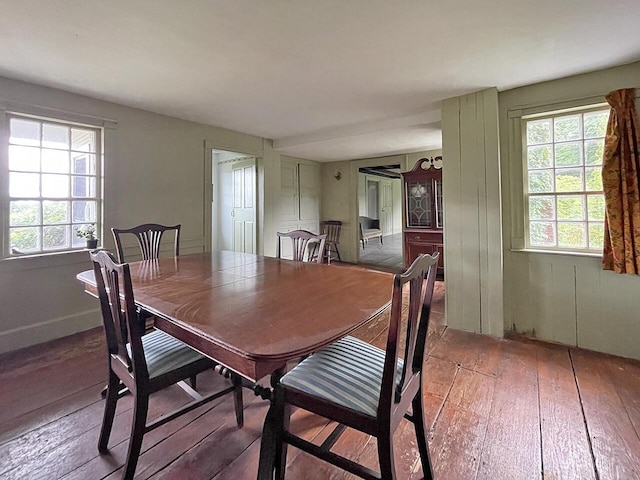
pixel 36 333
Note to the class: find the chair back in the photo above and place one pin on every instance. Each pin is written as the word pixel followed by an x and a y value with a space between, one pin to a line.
pixel 119 315
pixel 332 228
pixel 149 236
pixel 300 240
pixel 407 331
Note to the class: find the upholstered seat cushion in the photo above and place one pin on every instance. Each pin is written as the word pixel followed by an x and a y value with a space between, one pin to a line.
pixel 165 353
pixel 347 373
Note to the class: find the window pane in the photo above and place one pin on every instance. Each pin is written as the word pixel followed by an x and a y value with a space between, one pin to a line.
pixel 595 207
pixel 83 140
pixel 56 161
pixel 571 235
pixel 83 163
pixel 84 212
pixel 595 124
pixel 55 212
pixel 24 184
pixel 569 180
pixel 56 186
pixel 55 238
pixel 24 240
pixel 568 154
pixel 24 158
pixel 596 236
pixel 566 128
pixel 84 187
pixel 594 179
pixel 541 181
pixel 593 152
pixel 77 241
pixel 56 136
pixel 25 132
pixel 24 213
pixel 538 131
pixel 542 208
pixel 539 157
pixel 542 234
pixel 571 208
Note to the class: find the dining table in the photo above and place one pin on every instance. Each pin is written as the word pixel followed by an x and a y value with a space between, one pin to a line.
pixel 253 314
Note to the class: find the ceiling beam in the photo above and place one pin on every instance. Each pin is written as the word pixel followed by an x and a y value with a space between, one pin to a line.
pixel 327 135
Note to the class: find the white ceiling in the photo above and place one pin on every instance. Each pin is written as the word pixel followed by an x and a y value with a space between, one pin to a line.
pixel 326 79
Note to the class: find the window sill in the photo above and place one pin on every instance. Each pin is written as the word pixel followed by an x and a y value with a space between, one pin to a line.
pixel 44 260
pixel 557 252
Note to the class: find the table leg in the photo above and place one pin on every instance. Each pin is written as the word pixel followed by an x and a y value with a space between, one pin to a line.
pixel 268 448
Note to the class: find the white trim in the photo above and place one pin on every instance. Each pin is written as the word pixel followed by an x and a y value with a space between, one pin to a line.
pixel 49 113
pixel 36 333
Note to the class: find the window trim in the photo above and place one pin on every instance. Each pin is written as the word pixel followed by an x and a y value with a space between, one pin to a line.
pixel 68 119
pixel 520 117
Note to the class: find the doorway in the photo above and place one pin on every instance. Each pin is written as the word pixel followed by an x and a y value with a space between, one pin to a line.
pixel 233 208
pixel 380 200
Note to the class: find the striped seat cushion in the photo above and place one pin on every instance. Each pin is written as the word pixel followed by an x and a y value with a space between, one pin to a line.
pixel 165 353
pixel 347 373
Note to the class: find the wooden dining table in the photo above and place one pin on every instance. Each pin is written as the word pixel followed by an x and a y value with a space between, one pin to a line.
pixel 253 314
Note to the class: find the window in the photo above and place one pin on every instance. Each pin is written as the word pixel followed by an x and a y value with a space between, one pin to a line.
pixel 53 184
pixel 564 203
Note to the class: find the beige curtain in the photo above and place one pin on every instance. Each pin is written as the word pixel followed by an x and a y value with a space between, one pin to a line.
pixel 620 170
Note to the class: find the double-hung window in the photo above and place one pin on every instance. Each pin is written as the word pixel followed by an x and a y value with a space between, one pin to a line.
pixel 564 203
pixel 54 184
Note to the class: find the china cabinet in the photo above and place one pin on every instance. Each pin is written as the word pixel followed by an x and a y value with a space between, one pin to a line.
pixel 424 216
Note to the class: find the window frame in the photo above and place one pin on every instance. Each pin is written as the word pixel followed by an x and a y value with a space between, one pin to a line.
pixel 541 114
pixel 56 118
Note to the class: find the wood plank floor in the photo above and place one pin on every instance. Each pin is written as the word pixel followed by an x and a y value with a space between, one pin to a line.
pixel 496 409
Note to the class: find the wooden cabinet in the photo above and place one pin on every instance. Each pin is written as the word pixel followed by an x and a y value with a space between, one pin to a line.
pixel 424 217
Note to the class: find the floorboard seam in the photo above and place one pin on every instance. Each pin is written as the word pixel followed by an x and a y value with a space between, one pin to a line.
pixel 584 417
pixel 539 418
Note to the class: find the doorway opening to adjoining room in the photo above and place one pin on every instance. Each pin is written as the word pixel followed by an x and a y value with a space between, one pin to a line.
pixel 380 216
pixel 233 201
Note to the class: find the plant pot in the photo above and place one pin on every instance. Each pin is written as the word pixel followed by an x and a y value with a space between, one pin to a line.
pixel 92 244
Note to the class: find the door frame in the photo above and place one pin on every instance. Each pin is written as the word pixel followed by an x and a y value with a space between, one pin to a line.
pixel 208 189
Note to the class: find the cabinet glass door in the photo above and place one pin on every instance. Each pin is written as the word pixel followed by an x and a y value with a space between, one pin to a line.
pixel 419 204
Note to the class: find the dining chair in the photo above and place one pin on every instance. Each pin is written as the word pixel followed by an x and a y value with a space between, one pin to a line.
pixel 304 245
pixel 145 364
pixel 149 236
pixel 332 228
pixel 364 387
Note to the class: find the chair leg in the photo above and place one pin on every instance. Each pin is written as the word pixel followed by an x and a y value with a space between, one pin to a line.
pixel 421 435
pixel 137 433
pixel 193 381
pixel 385 456
pixel 111 396
pixel 338 253
pixel 284 414
pixel 237 399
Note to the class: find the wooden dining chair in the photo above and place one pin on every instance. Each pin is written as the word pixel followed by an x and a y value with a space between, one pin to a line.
pixel 332 228
pixel 306 245
pixel 363 387
pixel 144 364
pixel 149 236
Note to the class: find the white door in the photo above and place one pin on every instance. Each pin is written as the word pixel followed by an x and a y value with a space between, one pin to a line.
pixel 386 207
pixel 243 213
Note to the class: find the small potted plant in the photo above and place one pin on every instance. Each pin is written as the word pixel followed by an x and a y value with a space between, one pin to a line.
pixel 88 232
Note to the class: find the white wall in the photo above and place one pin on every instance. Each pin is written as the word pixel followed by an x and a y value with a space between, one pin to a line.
pixel 472 230
pixel 562 298
pixel 154 171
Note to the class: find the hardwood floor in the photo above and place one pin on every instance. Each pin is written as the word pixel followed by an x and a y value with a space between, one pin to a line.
pixel 387 256
pixel 496 409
